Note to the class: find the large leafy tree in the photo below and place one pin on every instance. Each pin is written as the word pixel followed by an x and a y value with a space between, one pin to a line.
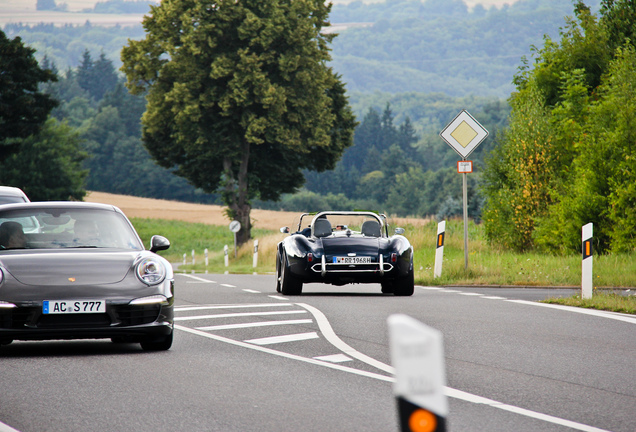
pixel 23 108
pixel 240 98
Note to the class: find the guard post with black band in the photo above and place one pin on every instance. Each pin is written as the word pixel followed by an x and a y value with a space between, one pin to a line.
pixel 417 354
pixel 587 280
pixel 439 251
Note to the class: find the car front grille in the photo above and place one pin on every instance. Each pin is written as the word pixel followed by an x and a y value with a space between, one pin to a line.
pixel 73 321
pixel 137 315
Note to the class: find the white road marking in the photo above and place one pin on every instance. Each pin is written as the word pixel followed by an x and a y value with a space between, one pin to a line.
pixel 254 324
pixel 6 428
pixel 278 297
pixel 234 315
pixel 335 358
pixel 229 306
pixel 286 355
pixel 450 392
pixel 228 285
pixel 493 298
pixel 469 294
pixel 283 339
pixel 252 291
pixel 330 335
pixel 196 278
pixel 593 312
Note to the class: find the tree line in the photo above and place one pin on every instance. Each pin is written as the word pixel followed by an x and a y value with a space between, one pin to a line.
pixel 567 157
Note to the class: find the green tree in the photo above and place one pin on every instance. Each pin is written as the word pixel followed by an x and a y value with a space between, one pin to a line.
pixel 23 108
pixel 240 98
pixel 48 166
pixel 565 159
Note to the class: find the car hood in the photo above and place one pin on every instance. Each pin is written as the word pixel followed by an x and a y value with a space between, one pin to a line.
pixel 344 245
pixel 59 268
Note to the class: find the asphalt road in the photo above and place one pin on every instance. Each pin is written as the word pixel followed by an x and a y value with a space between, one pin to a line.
pixel 248 359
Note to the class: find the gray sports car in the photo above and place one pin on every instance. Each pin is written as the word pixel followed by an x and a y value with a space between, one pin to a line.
pixel 71 270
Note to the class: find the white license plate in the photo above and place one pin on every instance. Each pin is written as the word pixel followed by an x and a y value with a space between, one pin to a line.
pixel 73 306
pixel 352 260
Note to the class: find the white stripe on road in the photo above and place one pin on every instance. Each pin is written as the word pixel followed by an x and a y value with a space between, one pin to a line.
pixel 228 306
pixel 252 291
pixel 450 392
pixel 197 278
pixel 235 315
pixel 593 312
pixel 283 339
pixel 335 358
pixel 254 324
pixel 228 285
pixel 284 354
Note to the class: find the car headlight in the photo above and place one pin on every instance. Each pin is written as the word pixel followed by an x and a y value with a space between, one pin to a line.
pixel 1 276
pixel 6 305
pixel 151 271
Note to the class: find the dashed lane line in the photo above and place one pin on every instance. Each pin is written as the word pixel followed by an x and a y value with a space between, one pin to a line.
pixel 254 324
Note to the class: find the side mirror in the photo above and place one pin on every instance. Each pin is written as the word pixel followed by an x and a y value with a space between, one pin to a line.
pixel 284 230
pixel 399 231
pixel 158 243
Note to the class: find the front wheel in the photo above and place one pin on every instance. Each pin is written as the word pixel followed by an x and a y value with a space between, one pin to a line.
pixel 405 286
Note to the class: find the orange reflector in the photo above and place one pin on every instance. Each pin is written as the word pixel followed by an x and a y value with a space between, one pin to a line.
pixel 439 240
pixel 587 248
pixel 422 421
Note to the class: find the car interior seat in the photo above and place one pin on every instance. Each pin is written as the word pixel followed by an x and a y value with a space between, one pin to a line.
pixel 371 228
pixel 322 228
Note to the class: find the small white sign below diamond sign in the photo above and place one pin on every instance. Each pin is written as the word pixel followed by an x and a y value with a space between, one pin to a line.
pixel 464 134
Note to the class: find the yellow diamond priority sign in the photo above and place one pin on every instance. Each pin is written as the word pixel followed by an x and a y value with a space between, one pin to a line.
pixel 464 134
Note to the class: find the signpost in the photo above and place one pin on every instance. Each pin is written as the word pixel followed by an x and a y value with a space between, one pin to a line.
pixel 235 226
pixel 464 134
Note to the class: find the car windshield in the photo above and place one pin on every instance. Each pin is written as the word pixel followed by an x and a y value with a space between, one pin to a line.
pixel 11 199
pixel 55 228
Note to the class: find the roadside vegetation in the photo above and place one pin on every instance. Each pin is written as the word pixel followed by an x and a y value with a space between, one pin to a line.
pixel 614 274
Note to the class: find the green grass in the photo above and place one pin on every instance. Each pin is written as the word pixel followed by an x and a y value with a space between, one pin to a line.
pixel 487 265
pixel 613 302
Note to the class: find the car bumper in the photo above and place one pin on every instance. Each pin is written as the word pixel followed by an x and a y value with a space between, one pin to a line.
pixel 119 321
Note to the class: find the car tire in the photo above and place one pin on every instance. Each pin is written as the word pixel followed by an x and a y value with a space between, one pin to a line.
pixel 289 284
pixel 405 286
pixel 278 271
pixel 158 344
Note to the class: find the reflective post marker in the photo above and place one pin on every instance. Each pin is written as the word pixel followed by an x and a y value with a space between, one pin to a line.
pixel 193 259
pixel 587 280
pixel 184 259
pixel 439 251
pixel 206 256
pixel 227 259
pixel 417 354
pixel 255 253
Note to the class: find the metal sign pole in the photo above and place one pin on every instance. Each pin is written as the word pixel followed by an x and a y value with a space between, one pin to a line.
pixel 465 193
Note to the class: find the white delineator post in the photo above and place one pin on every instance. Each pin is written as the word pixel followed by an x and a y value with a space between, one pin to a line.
pixel 193 257
pixel 587 279
pixel 439 251
pixel 206 256
pixel 227 258
pixel 417 353
pixel 255 260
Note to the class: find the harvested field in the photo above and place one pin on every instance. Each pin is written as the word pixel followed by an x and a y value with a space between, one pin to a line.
pixel 201 213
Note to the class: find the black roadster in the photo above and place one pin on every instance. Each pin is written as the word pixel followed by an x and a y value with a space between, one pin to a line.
pixel 339 248
pixel 71 270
